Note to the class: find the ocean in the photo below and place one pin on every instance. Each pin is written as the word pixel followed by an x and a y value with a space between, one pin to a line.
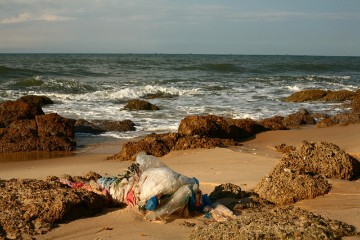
pixel 97 86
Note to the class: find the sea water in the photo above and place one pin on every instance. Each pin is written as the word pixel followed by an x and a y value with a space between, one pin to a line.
pixel 97 86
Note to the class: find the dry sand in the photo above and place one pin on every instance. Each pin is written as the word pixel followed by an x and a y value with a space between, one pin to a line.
pixel 244 166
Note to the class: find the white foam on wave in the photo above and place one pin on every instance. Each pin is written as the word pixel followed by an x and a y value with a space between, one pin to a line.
pixel 294 88
pixel 121 94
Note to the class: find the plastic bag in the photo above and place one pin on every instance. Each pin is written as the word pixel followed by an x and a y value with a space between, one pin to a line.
pixel 176 202
pixel 148 161
pixel 159 181
pixel 219 213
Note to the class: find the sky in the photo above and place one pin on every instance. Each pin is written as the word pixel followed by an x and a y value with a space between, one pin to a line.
pixel 306 27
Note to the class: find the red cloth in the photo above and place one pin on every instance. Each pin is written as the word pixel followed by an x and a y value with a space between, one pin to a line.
pixel 130 198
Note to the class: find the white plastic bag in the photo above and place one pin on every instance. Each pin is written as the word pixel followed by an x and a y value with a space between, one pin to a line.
pixel 176 202
pixel 148 161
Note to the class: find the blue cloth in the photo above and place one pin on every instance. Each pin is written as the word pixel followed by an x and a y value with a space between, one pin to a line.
pixel 105 182
pixel 152 203
pixel 205 201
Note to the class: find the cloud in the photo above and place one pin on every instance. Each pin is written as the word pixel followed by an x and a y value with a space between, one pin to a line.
pixel 26 16
pixel 22 17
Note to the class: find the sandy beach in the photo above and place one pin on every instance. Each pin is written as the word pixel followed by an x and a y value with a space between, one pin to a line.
pixel 243 166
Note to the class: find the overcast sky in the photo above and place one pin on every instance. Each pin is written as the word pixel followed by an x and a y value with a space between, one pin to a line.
pixel 301 27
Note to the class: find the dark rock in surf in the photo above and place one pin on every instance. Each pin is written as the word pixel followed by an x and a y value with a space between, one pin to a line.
pixel 320 95
pixel 138 104
pixel 36 100
pixel 119 126
pixel 83 126
pixel 101 126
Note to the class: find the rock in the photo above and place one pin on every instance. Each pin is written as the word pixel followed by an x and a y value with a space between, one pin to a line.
pixel 355 104
pixel 283 148
pixel 338 96
pixel 83 126
pixel 299 174
pixel 243 128
pixel 289 186
pixel 193 142
pixel 161 144
pixel 321 95
pixel 101 126
pixel 227 190
pixel 301 117
pixel 119 126
pixel 138 104
pixel 19 136
pixel 154 144
pixel 275 223
pixel 55 133
pixel 24 127
pixel 158 95
pixel 17 110
pixel 306 95
pixel 30 207
pixel 36 100
pixel 323 158
pixel 273 123
pixel 341 119
pixel 205 126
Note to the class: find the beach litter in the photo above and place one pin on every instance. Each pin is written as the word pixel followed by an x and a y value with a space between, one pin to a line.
pixel 156 190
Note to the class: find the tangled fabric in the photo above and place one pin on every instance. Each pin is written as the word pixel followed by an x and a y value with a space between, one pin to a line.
pixel 154 187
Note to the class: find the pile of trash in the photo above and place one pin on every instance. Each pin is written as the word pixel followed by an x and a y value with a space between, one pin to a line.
pixel 156 190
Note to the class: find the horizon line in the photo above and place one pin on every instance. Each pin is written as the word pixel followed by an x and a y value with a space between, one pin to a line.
pixel 159 53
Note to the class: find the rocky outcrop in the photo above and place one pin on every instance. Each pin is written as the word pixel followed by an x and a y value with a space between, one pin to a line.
pixel 158 95
pixel 299 174
pixel 55 133
pixel 11 111
pixel 244 128
pixel 302 117
pixel 355 104
pixel 138 104
pixel 285 186
pixel 322 158
pixel 154 144
pixel 204 126
pixel 36 100
pixel 320 95
pixel 273 123
pixel 118 126
pixel 209 132
pixel 218 127
pixel 101 126
pixel 341 119
pixel 25 127
pixel 275 223
pixel 194 132
pixel 30 207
